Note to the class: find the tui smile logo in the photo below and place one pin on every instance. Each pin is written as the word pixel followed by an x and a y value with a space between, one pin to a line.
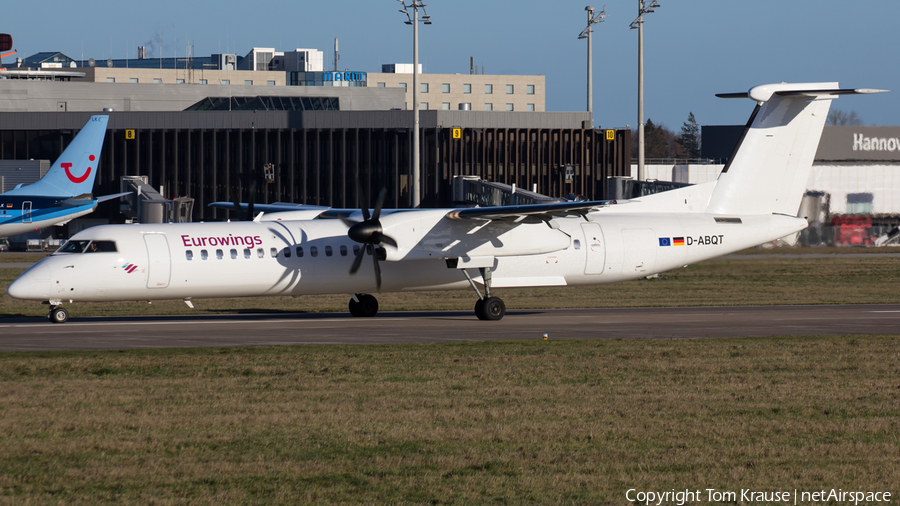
pixel 67 165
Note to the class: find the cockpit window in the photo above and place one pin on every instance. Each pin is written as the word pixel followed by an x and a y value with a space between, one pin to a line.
pixel 73 247
pixel 101 247
pixel 88 247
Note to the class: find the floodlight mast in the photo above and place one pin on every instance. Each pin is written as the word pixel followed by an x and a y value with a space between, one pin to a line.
pixel 586 34
pixel 414 20
pixel 639 24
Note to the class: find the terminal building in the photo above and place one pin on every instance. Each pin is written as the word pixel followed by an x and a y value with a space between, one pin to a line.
pixel 214 128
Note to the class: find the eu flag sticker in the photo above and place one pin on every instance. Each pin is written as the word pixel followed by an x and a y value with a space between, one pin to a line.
pixel 665 241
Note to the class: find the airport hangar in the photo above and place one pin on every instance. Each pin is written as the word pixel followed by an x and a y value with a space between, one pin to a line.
pixel 183 124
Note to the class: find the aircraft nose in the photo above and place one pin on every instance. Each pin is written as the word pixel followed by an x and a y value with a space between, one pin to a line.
pixel 33 284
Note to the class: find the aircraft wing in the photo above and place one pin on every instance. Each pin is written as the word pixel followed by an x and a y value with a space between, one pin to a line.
pixel 529 213
pixel 269 208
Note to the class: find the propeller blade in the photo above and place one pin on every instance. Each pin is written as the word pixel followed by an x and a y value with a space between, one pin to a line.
pixel 348 221
pixel 358 260
pixel 386 239
pixel 377 270
pixel 365 212
pixel 381 195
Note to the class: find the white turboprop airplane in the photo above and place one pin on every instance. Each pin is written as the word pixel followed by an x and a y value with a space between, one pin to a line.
pixel 308 251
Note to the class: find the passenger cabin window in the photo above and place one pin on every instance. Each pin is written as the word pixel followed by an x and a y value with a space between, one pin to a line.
pixel 204 254
pixel 355 249
pixel 273 252
pixel 299 251
pixel 233 254
pixel 343 250
pixel 313 251
pixel 261 253
pixel 328 251
pixel 246 252
pixel 220 254
pixel 189 255
pixel 287 252
pixel 577 244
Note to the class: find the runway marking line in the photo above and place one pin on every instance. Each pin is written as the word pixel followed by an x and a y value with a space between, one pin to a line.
pixel 87 324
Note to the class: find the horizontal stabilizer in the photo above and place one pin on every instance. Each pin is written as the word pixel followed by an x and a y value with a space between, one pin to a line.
pixel 113 196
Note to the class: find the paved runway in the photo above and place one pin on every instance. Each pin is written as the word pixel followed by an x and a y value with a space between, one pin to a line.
pixel 443 326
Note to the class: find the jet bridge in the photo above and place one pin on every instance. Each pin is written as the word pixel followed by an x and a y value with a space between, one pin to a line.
pixel 472 191
pixel 146 205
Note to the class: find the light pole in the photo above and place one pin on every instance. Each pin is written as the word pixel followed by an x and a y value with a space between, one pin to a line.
pixel 586 34
pixel 639 24
pixel 414 20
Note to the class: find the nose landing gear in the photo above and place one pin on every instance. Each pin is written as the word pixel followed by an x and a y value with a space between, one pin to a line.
pixel 58 314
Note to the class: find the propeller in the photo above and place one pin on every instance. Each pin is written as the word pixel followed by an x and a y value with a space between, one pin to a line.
pixel 370 234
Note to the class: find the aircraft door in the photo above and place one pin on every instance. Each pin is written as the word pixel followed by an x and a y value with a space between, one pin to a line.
pixel 26 211
pixel 595 249
pixel 159 263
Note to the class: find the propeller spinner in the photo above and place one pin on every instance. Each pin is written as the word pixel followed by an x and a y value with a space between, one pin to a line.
pixel 370 234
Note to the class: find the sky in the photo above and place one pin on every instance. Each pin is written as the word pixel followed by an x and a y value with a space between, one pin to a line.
pixel 693 49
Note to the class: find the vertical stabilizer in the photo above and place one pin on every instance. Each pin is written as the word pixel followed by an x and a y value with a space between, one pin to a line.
pixel 770 167
pixel 74 171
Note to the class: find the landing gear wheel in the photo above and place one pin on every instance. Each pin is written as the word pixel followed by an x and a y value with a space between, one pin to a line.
pixel 58 315
pixel 367 306
pixel 491 308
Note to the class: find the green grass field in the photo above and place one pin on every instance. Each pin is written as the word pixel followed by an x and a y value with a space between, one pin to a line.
pixel 541 422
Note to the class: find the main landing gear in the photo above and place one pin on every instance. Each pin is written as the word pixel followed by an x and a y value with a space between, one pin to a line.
pixel 363 305
pixel 488 307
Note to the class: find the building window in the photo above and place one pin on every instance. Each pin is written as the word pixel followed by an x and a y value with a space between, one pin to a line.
pixel 424 88
pixel 157 80
pixel 270 83
pixel 110 79
pixel 467 88
pixel 423 106
pixel 248 82
pixel 204 81
pixel 488 107
pixel 467 106
pixel 226 81
pixel 179 81
pixel 133 80
pixel 445 88
pixel 488 89
pixel 403 85
pixel 381 85
pixel 510 89
pixel 445 106
pixel 509 107
pixel 529 107
pixel 529 89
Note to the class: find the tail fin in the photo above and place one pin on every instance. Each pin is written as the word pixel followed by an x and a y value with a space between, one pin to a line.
pixel 770 167
pixel 74 171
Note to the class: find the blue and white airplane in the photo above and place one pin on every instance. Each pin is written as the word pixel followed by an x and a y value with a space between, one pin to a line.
pixel 64 193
